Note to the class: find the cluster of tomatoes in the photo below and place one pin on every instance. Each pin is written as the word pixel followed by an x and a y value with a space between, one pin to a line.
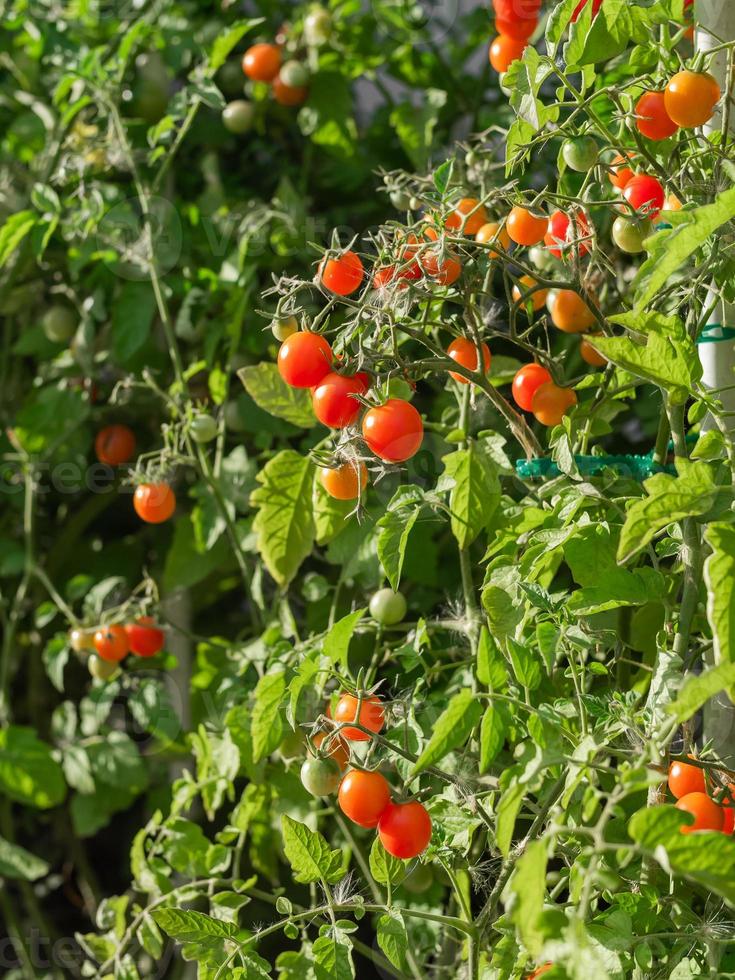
pixel 108 645
pixel 288 79
pixel 364 795
pixel 154 503
pixel 687 784
pixel 515 21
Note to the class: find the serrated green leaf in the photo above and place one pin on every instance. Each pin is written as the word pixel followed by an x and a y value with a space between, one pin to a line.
pixel 719 576
pixel 284 522
pixel 308 853
pixel 337 640
pixel 28 771
pixel 451 729
pixel 526 892
pixel 17 862
pixel 393 938
pixel 270 392
pixel 189 926
pixel 384 867
pixel 475 492
pixel 265 724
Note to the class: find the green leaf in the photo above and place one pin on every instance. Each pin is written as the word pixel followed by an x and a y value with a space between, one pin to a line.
pixel 333 956
pixel 227 41
pixel 308 853
pixel 132 317
pixel 384 867
pixel 526 892
pixel 270 392
pixel 115 760
pixel 28 772
pixel 670 248
pixel 453 727
pixel 508 809
pixel 662 352
pixel 719 577
pixel 284 522
pixel 492 734
pixel 707 858
pixel 192 927
pixel 475 492
pixel 13 231
pixel 692 493
pixel 17 862
pixel 524 79
pixel 443 176
pixel 330 515
pixel 55 657
pixel 337 640
pixel 395 527
pixel 415 125
pixel 328 117
pixel 393 938
pixel 526 664
pixel 491 666
pixel 698 689
pixel 616 24
pixel 265 725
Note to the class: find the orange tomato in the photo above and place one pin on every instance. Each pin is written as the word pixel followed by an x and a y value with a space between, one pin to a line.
pixel 526 228
pixel 344 482
pixel 464 352
pixel 528 291
pixel 570 313
pixel 468 216
pixel 504 51
pixel 691 97
pixel 551 403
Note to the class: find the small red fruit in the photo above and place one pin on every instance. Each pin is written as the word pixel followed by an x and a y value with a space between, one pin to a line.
pixel 525 383
pixel 645 194
pixel 371 716
pixel 404 829
pixel 707 814
pixel 154 503
pixel 363 796
pixel 393 431
pixel 114 445
pixel 342 274
pixel 111 643
pixel 144 638
pixel 304 359
pixel 261 62
pixel 333 399
pixel 464 352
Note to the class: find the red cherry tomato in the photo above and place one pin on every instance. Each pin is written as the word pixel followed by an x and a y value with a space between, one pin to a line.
pixel 372 716
pixel 728 816
pixel 651 117
pixel 144 638
pixel 463 351
pixel 289 95
pixel 519 29
pixel 333 401
pixel 565 235
pixel 363 796
pixel 111 643
pixel 707 814
pixel 345 482
pixel 343 274
pixel 154 502
pixel 404 829
pixel 515 9
pixel 393 431
pixel 525 383
pixel 445 271
pixel 551 403
pixel 685 779
pixel 526 228
pixel 645 194
pixel 304 359
pixel 114 445
pixel 261 62
pixel 504 51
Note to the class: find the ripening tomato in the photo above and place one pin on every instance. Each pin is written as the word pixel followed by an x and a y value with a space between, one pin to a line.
pixel 504 51
pixel 707 814
pixel 262 62
pixel 629 235
pixel 404 829
pixel 101 670
pixel 114 445
pixel 393 431
pixel 494 232
pixel 596 4
pixel 238 116
pixel 527 380
pixel 81 640
pixel 570 313
pixel 304 359
pixel 334 746
pixel 464 352
pixel 372 716
pixel 651 117
pixel 565 235
pixel 528 291
pixel 685 779
pixel 154 503
pixel 517 28
pixel 283 327
pixel 728 820
pixel 619 174
pixel 589 354
pixel 111 643
pixel 344 482
pixel 144 638
pixel 645 194
pixel 388 273
pixel 468 216
pixel 289 95
pixel 445 271
pixel 363 796
pixel 333 398
pixel 342 274
pixel 320 777
pixel 551 403
pixel 691 98
pixel 525 228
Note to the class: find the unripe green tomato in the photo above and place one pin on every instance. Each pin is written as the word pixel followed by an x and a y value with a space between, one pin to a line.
pixel 540 257
pixel 238 116
pixel 320 777
pixel 398 388
pixel 101 670
pixel 580 153
pixel 400 200
pixel 317 26
pixel 295 74
pixel 283 327
pixel 418 879
pixel 152 87
pixel 234 418
pixel 388 607
pixel 229 78
pixel 59 323
pixel 203 428
pixel 629 235
pixel 414 204
pixel 81 640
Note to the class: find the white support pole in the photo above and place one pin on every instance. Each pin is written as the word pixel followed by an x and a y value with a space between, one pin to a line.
pixel 715 23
